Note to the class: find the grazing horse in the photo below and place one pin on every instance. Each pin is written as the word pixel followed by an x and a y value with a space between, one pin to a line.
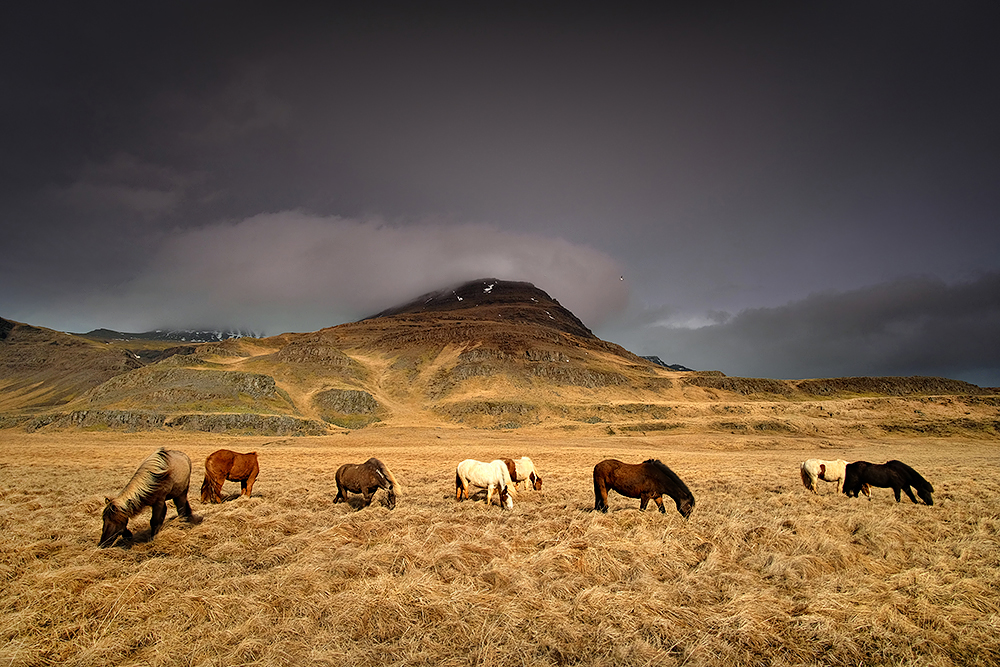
pixel 523 470
pixel 366 478
pixel 226 465
pixel 828 471
pixel 164 475
pixel 893 474
pixel 492 475
pixel 650 479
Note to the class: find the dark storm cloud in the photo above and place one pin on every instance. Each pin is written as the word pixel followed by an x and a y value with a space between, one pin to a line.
pixel 722 161
pixel 911 326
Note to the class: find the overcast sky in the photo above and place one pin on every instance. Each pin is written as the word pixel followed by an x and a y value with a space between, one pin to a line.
pixel 809 190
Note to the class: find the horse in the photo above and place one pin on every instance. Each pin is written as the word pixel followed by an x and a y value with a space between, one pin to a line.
pixel 646 480
pixel 892 474
pixel 164 475
pixel 523 470
pixel 828 471
pixel 366 478
pixel 492 475
pixel 227 465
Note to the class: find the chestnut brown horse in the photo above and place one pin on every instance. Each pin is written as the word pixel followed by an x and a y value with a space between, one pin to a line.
pixel 225 465
pixel 164 475
pixel 650 479
pixel 366 478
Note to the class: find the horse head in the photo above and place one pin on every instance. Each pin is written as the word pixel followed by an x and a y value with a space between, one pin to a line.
pixel 536 481
pixel 391 497
pixel 115 524
pixel 506 501
pixel 685 505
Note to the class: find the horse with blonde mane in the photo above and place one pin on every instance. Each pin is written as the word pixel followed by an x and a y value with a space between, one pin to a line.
pixel 366 478
pixel 164 475
pixel 490 476
pixel 523 471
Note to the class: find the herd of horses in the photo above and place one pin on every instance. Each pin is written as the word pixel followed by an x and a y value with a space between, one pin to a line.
pixel 166 475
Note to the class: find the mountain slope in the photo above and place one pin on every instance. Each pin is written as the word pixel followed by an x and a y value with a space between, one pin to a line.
pixel 484 354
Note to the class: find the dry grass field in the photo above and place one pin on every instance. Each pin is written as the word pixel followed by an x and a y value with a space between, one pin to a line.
pixel 764 573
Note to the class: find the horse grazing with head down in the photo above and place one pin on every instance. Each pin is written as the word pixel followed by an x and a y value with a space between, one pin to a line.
pixel 828 471
pixel 490 476
pixel 523 470
pixel 650 479
pixel 892 474
pixel 227 465
pixel 366 478
pixel 164 475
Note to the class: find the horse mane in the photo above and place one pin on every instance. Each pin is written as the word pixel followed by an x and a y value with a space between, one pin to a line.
pixel 385 472
pixel 671 476
pixel 146 479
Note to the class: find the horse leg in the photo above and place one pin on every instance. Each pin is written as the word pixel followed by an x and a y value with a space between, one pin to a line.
pixel 368 494
pixel 910 494
pixel 895 492
pixel 489 495
pixel 600 496
pixel 659 503
pixel 643 501
pixel 159 514
pixel 183 508
pixel 341 496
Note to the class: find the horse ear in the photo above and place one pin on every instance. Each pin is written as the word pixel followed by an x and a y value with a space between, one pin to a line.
pixel 107 501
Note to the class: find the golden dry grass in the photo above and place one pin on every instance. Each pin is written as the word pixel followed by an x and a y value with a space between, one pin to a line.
pixel 763 573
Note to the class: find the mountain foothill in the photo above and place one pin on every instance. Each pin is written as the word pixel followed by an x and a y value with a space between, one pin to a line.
pixel 486 354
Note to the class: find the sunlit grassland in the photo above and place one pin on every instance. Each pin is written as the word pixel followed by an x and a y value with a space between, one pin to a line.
pixel 763 572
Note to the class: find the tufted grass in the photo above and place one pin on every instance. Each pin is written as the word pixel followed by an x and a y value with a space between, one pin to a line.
pixel 763 573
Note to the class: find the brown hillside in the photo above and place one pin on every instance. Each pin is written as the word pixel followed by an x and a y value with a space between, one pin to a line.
pixel 486 354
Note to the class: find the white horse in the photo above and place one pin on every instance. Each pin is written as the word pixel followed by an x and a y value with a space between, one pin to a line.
pixel 828 471
pixel 523 470
pixel 490 476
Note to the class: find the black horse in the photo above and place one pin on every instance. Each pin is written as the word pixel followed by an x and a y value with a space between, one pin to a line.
pixel 647 480
pixel 366 478
pixel 893 474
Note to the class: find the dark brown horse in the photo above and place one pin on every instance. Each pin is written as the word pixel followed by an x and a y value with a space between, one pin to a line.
pixel 892 474
pixel 647 480
pixel 227 465
pixel 366 478
pixel 164 475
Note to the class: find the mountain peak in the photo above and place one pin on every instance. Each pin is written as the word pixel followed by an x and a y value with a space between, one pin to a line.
pixel 494 299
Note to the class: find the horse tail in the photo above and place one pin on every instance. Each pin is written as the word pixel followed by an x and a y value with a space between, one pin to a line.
pixel 150 474
pixel 806 477
pixel 206 489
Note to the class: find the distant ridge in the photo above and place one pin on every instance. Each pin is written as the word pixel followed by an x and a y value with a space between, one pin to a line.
pixel 660 362
pixel 180 336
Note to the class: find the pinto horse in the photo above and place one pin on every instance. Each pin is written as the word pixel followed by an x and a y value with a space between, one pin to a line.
pixel 366 478
pixel 490 476
pixel 892 474
pixel 647 480
pixel 227 465
pixel 828 471
pixel 164 475
pixel 523 470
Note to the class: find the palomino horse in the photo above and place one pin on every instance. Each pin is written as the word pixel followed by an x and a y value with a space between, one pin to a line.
pixel 647 480
pixel 892 474
pixel 164 475
pixel 523 470
pixel 828 471
pixel 492 475
pixel 366 478
pixel 227 465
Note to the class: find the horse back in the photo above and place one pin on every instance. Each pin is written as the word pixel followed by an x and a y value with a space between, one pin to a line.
pixel 243 465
